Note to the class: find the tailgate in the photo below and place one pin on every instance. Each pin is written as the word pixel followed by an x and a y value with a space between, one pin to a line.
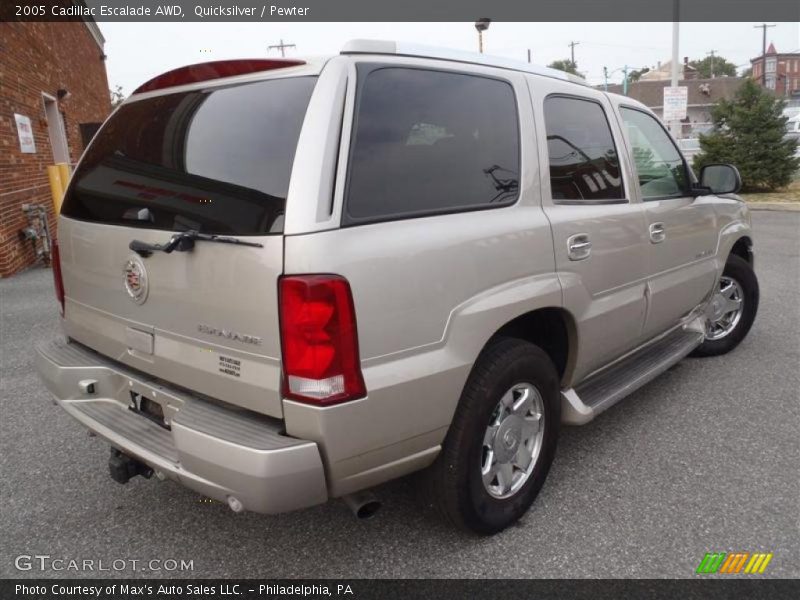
pixel 209 322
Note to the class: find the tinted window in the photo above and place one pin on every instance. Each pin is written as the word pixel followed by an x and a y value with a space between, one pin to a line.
pixel 429 142
pixel 217 161
pixel 659 165
pixel 583 159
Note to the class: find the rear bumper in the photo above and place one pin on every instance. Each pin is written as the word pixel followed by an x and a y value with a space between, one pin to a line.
pixel 219 452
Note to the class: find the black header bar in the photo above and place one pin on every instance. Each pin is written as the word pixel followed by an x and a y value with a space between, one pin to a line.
pixel 401 10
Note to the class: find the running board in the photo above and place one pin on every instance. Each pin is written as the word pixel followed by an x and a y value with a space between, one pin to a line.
pixel 603 390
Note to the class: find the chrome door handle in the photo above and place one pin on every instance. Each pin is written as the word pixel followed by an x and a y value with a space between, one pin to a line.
pixel 657 233
pixel 579 247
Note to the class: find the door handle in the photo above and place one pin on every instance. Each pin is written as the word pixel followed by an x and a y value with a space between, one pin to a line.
pixel 657 233
pixel 579 247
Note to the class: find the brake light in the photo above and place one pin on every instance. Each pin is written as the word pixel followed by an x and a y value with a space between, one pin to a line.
pixel 58 281
pixel 319 340
pixel 214 70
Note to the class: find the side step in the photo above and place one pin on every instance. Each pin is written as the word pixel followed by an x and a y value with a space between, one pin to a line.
pixel 601 391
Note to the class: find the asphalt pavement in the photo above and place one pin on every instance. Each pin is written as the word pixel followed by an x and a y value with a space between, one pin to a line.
pixel 705 458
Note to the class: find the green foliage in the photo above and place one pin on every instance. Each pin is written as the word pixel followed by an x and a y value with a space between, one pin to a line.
pixel 117 96
pixel 749 133
pixel 721 67
pixel 565 65
pixel 636 75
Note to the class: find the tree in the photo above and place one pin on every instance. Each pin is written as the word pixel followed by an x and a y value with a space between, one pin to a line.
pixel 748 72
pixel 749 133
pixel 565 65
pixel 718 65
pixel 117 96
pixel 636 75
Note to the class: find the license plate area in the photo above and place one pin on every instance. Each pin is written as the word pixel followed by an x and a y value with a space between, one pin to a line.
pixel 149 409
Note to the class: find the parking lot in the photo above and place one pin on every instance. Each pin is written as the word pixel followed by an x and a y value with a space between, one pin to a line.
pixel 705 458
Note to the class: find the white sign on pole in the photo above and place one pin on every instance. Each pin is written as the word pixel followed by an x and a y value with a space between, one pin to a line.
pixel 676 99
pixel 25 133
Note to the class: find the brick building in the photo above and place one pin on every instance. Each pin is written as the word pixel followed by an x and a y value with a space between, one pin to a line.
pixel 782 71
pixel 53 81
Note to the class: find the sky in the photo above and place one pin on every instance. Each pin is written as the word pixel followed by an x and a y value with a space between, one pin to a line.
pixel 138 51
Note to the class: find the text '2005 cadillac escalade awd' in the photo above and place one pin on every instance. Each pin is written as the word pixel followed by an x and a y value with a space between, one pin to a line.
pixel 283 281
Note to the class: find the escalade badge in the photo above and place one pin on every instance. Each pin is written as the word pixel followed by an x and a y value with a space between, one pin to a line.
pixel 136 280
pixel 231 335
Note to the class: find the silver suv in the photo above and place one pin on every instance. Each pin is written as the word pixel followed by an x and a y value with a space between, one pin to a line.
pixel 283 281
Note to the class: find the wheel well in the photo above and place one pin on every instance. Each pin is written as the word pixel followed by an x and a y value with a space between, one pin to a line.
pixel 551 329
pixel 742 249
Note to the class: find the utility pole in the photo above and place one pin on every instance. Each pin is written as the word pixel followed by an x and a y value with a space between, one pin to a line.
pixel 282 47
pixel 763 26
pixel 675 126
pixel 625 81
pixel 711 54
pixel 605 78
pixel 529 55
pixel 572 51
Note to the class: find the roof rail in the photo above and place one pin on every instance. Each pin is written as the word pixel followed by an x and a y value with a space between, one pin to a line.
pixel 423 51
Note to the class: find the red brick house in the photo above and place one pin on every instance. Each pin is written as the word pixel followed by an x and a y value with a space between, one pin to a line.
pixel 782 71
pixel 53 96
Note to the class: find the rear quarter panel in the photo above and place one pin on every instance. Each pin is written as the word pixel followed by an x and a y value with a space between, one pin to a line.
pixel 429 293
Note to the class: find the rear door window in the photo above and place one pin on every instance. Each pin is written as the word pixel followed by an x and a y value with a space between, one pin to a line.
pixel 584 165
pixel 430 142
pixel 216 160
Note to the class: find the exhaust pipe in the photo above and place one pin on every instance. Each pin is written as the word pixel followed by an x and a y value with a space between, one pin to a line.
pixel 363 504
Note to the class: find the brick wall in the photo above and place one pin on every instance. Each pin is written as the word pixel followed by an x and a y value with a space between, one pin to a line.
pixel 37 58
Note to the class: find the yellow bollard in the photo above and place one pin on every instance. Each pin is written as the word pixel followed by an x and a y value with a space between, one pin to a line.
pixel 56 189
pixel 64 173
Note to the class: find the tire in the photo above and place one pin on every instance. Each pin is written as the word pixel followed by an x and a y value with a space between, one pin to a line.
pixel 741 273
pixel 455 482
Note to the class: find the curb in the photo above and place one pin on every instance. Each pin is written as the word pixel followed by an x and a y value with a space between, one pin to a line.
pixel 781 206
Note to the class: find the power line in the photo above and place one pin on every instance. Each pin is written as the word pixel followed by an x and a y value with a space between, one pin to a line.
pixel 763 26
pixel 711 54
pixel 572 51
pixel 282 47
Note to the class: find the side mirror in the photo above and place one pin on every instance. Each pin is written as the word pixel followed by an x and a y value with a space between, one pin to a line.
pixel 720 179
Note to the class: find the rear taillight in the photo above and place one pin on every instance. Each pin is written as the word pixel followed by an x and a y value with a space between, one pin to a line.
pixel 319 340
pixel 58 281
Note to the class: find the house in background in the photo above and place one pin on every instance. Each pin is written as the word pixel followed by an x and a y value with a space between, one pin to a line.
pixel 779 72
pixel 53 97
pixel 663 72
pixel 703 94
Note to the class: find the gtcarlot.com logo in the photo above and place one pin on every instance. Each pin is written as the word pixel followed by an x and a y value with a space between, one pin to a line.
pixel 732 563
pixel 45 562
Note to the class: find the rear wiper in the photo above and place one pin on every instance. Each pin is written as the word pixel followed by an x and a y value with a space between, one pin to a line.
pixel 184 241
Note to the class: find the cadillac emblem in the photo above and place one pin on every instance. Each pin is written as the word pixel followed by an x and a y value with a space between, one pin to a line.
pixel 136 280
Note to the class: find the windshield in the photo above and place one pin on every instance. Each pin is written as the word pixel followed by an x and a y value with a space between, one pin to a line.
pixel 216 161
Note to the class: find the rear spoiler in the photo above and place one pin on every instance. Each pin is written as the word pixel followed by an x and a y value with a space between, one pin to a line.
pixel 214 70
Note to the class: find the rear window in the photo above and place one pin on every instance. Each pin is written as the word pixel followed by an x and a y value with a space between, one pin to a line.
pixel 217 160
pixel 431 142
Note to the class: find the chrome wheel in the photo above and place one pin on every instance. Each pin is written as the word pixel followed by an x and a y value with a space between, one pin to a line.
pixel 725 309
pixel 512 441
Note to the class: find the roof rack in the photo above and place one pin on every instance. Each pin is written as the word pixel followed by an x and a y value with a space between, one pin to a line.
pixel 423 51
